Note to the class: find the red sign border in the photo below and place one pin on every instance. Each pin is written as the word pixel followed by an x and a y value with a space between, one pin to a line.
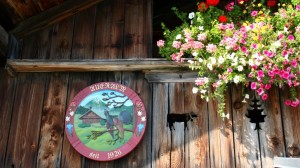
pixel 113 154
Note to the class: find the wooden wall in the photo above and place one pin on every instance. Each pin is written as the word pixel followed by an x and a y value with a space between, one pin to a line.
pixel 33 105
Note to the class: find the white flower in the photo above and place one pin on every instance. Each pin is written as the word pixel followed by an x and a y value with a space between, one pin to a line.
pixel 240 68
pixel 207 99
pixel 194 53
pixel 223 115
pixel 178 37
pixel 190 61
pixel 139 113
pixel 195 90
pixel 213 60
pixel 203 91
pixel 243 61
pixel 247 96
pixel 244 101
pixel 285 29
pixel 71 113
pixel 221 60
pixel 200 60
pixel 201 28
pixel 236 79
pixel 191 15
pixel 209 66
pixel 67 118
pixel 277 44
pixel 143 118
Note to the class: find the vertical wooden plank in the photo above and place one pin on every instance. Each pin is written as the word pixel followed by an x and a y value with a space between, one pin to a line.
pixel 139 157
pixel 161 139
pixel 138 26
pixel 196 136
pixel 109 29
pixel 291 118
pixel 271 135
pixel 37 45
pixel 221 135
pixel 245 137
pixel 70 157
pixel 26 118
pixel 62 39
pixel 82 48
pixel 52 128
pixel 176 106
pixel 83 40
pixel 7 87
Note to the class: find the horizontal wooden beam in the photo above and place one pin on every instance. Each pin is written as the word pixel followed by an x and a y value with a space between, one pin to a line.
pixel 171 76
pixel 89 65
pixel 51 16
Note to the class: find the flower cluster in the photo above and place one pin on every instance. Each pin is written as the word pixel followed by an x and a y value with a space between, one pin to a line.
pixel 252 43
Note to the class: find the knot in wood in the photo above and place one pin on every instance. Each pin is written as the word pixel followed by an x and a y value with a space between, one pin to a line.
pixel 237 105
pixel 293 151
pixel 275 142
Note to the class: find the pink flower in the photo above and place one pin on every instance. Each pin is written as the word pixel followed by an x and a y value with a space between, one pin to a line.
pixel 291 37
pixel 254 13
pixel 198 45
pixel 298 7
pixel 260 91
pixel 211 48
pixel 260 73
pixel 271 73
pixel 229 70
pixel 160 43
pixel 253 85
pixel 294 63
pixel 202 37
pixel 284 53
pixel 229 6
pixel 254 46
pixel 176 44
pixel 288 102
pixel 264 97
pixel 295 103
pixel 285 75
pixel 267 86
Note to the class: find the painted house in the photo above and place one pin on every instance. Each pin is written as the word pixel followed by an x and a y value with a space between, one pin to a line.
pixel 51 50
pixel 90 117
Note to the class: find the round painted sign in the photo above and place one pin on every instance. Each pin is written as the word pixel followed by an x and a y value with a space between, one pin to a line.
pixel 105 121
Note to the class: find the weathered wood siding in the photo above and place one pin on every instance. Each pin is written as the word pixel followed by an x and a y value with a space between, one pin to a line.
pixel 33 105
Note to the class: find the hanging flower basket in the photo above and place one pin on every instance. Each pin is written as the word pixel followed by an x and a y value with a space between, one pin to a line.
pixel 256 44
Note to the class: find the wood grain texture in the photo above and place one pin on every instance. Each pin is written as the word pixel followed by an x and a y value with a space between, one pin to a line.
pixel 176 106
pixel 161 139
pixel 137 39
pixel 23 141
pixel 245 137
pixel 51 16
pixel 221 135
pixel 83 39
pixel 89 65
pixel 7 87
pixel 38 45
pixel 196 134
pixel 271 135
pixel 52 128
pixel 109 33
pixel 291 118
pixel 70 157
pixel 61 42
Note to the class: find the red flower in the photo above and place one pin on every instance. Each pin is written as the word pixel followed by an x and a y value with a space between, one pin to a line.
pixel 271 3
pixel 223 19
pixel 212 2
pixel 202 6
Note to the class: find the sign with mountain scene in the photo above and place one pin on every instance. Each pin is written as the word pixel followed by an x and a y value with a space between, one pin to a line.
pixel 105 121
